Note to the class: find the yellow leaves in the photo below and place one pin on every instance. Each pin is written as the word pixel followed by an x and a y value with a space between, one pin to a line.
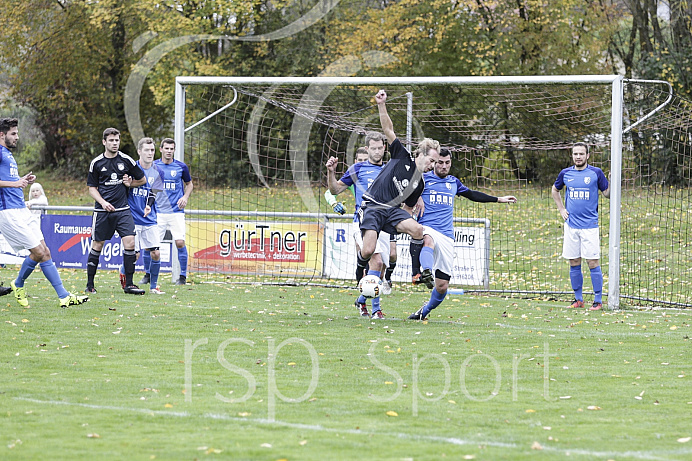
pixel 392 413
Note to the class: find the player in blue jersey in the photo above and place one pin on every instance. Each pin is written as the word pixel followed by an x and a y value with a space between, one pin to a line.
pixel 15 222
pixel 111 174
pixel 359 176
pixel 580 212
pixel 142 201
pixel 389 201
pixel 171 205
pixel 436 215
pixel 338 207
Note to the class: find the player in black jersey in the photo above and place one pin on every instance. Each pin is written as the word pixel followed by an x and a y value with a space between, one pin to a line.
pixel 400 183
pixel 110 176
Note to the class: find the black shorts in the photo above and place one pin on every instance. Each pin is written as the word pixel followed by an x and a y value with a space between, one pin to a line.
pixel 378 218
pixel 104 224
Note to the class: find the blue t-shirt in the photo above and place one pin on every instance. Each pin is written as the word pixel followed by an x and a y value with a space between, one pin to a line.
pixel 438 197
pixel 360 176
pixel 176 174
pixel 581 195
pixel 137 198
pixel 10 197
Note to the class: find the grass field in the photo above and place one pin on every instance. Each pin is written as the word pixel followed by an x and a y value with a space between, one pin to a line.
pixel 219 371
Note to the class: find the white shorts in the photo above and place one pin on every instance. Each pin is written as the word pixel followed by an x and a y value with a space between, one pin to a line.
pixel 147 237
pixel 382 247
pixel 443 252
pixel 15 226
pixel 581 243
pixel 175 222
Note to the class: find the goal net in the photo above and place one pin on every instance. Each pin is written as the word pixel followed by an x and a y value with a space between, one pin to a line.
pixel 257 149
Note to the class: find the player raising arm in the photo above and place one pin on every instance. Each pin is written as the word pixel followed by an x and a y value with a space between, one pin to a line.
pixel 359 176
pixel 399 184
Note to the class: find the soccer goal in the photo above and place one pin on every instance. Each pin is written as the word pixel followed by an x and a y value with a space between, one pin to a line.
pixel 257 149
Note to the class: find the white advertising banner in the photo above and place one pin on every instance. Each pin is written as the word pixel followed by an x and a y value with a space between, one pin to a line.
pixel 470 265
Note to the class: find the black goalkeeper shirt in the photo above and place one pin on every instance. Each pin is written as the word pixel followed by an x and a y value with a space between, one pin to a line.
pixel 106 174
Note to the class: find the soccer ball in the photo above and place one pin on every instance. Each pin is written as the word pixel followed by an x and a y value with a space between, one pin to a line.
pixel 370 286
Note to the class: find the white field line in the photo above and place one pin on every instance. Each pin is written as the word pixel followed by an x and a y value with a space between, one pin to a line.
pixel 318 428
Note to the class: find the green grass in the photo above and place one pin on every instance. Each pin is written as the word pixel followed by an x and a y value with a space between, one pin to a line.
pixel 114 378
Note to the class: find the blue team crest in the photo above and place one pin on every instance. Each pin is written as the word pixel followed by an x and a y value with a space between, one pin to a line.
pixel 449 186
pixel 114 176
pixel 174 173
pixel 121 166
pixel 587 180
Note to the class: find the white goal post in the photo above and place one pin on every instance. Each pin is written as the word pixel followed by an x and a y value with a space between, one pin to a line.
pixel 615 82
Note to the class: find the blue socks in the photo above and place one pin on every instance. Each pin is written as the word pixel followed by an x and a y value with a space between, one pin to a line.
pixel 597 282
pixel 577 280
pixel 435 300
pixel 51 273
pixel 146 260
pixel 427 258
pixel 375 301
pixel 155 268
pixel 182 258
pixel 25 271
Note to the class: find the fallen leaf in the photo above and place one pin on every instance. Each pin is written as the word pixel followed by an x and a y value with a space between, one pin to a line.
pixel 266 445
pixel 536 446
pixel 392 413
pixel 530 411
pixel 684 439
pixel 93 436
pixel 593 407
pixel 303 442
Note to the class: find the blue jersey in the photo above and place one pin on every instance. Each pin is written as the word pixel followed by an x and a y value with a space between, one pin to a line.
pixel 137 198
pixel 581 195
pixel 176 174
pixel 360 176
pixel 10 197
pixel 438 197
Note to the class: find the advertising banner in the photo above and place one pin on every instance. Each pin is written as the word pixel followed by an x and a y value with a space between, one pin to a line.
pixel 69 239
pixel 469 255
pixel 255 247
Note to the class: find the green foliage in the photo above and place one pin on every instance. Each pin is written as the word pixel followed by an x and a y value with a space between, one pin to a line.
pixel 70 61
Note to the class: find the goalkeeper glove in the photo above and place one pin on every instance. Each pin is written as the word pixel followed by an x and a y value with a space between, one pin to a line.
pixel 339 208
